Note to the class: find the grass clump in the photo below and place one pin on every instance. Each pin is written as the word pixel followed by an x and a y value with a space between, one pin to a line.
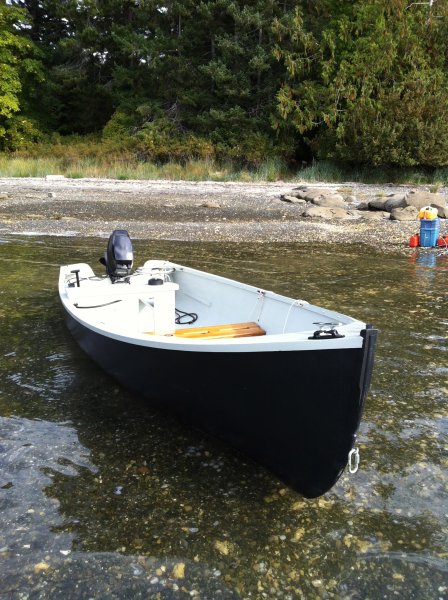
pixel 127 159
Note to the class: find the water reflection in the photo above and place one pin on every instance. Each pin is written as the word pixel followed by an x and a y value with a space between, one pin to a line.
pixel 142 505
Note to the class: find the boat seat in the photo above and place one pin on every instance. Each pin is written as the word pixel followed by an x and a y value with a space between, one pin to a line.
pixel 217 332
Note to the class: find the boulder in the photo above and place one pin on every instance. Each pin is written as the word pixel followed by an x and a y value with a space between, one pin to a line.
pixel 378 203
pixel 310 194
pixel 330 201
pixel 421 199
pixel 363 206
pixel 327 213
pixel 442 211
pixel 298 193
pixel 395 201
pixel 408 213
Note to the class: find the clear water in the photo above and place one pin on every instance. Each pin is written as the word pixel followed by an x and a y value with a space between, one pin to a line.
pixel 103 497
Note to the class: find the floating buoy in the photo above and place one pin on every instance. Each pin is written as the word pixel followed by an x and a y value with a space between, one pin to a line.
pixel 414 241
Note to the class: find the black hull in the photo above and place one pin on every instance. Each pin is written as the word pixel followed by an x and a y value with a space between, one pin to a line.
pixel 294 412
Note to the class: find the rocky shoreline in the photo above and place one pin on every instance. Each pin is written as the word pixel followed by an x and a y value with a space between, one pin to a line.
pixel 349 213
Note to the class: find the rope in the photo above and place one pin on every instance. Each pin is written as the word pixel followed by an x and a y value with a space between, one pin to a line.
pixel 259 304
pixel 298 302
pixel 182 317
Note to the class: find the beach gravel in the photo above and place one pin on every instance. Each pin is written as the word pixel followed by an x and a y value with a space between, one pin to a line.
pixel 193 211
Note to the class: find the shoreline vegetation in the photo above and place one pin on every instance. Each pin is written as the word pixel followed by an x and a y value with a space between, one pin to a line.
pixel 226 91
pixel 96 160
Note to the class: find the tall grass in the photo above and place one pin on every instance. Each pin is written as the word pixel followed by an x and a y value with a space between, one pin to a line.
pixel 96 158
pixel 28 167
pixel 113 168
pixel 330 171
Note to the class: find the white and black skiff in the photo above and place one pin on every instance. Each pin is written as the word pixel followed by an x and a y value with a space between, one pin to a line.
pixel 280 379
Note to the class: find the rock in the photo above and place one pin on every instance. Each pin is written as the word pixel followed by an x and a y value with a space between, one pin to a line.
pixel 292 199
pixel 54 177
pixel 442 211
pixel 378 203
pixel 395 201
pixel 224 547
pixel 363 206
pixel 330 201
pixel 421 199
pixel 408 213
pixel 179 571
pixel 210 205
pixel 324 212
pixel 298 194
pixel 311 193
pixel 3 195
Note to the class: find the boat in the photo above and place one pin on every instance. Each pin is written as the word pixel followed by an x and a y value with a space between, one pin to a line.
pixel 279 379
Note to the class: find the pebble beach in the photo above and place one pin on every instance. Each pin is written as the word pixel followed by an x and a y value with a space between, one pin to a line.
pixel 195 211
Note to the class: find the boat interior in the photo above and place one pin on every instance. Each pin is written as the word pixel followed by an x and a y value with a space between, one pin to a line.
pixel 163 298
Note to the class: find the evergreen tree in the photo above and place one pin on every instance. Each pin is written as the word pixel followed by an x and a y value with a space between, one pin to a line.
pixel 75 98
pixel 217 73
pixel 358 81
pixel 369 84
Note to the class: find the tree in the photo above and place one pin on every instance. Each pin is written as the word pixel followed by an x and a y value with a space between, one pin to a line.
pixel 215 73
pixel 370 83
pixel 183 69
pixel 20 68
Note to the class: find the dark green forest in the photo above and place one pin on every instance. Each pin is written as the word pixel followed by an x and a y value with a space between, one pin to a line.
pixel 359 81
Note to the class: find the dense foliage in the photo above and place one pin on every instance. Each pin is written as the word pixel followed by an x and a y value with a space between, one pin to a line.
pixel 20 69
pixel 370 84
pixel 360 81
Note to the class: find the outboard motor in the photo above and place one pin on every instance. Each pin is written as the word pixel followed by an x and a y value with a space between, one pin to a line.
pixel 119 256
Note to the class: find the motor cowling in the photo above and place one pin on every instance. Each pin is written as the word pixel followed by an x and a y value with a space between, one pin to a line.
pixel 119 255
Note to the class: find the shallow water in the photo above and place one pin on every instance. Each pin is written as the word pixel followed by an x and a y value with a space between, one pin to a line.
pixel 103 497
